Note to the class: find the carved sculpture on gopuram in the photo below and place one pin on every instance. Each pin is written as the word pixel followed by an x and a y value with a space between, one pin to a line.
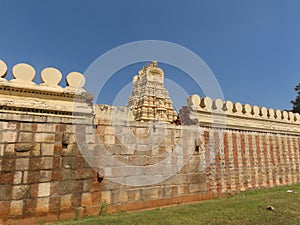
pixel 149 100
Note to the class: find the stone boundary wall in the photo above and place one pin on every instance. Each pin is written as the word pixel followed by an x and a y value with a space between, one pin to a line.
pixel 185 185
pixel 51 180
pixel 250 160
pixel 48 132
pixel 43 176
pixel 221 161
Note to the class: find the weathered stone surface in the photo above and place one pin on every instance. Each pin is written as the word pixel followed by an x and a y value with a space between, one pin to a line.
pixel 16 208
pixel 9 136
pixel 54 205
pixel 5 192
pixel 47 149
pixel 26 137
pixel 151 193
pixel 18 176
pixel 22 164
pixel 8 164
pixel 197 178
pixel 40 163
pixel 42 205
pixel 6 178
pixel 44 189
pixel 4 209
pixel 106 197
pixel 30 206
pixel 29 127
pixel 86 199
pixel 45 137
pixel 84 173
pixel 65 202
pixel 20 192
pixel 67 186
pixel 24 147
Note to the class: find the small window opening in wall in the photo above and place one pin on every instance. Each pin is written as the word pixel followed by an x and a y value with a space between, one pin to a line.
pixel 65 145
pixel 100 176
pixel 197 144
pixel 65 141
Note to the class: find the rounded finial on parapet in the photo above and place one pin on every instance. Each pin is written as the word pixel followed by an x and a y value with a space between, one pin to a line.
pixel 285 116
pixel 297 117
pixel 218 105
pixel 291 116
pixel 278 114
pixel 206 103
pixel 271 114
pixel 238 108
pixel 194 101
pixel 51 77
pixel 264 112
pixel 75 80
pixel 255 111
pixel 229 107
pixel 3 70
pixel 23 73
pixel 247 110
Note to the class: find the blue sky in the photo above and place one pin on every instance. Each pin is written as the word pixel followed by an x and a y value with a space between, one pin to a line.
pixel 252 47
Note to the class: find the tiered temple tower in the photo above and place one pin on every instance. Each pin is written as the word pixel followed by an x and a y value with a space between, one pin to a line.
pixel 149 100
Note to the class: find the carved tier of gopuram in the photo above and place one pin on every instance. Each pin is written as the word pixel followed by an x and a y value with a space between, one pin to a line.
pixel 149 99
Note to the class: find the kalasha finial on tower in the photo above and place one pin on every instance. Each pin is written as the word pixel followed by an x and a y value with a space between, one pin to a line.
pixel 152 64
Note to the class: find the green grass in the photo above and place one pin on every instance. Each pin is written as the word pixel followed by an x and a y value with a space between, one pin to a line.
pixel 247 207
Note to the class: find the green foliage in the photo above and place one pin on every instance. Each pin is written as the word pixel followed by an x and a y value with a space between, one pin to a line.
pixel 296 102
pixel 41 222
pixel 76 212
pixel 249 207
pixel 103 209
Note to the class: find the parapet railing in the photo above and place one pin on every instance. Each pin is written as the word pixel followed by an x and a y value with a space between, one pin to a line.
pixel 22 95
pixel 225 114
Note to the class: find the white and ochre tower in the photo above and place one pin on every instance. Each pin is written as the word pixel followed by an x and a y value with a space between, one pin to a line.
pixel 149 100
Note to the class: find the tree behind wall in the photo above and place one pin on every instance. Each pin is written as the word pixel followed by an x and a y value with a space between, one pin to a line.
pixel 296 102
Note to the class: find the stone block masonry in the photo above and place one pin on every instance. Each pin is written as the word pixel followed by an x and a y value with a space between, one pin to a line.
pixel 62 157
pixel 44 177
pixel 228 161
